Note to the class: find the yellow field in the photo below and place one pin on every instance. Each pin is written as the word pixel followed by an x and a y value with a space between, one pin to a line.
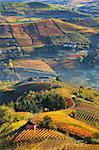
pixel 32 64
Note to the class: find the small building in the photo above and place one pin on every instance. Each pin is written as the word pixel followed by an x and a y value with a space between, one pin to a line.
pixel 44 79
pixel 33 79
pixel 70 45
pixel 30 125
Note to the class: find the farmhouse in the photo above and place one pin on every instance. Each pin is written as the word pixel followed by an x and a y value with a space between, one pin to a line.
pixel 30 126
pixel 37 79
pixel 44 79
pixel 70 45
pixel 33 79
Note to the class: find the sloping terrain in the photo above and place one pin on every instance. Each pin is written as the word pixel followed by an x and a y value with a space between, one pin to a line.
pixel 32 35
pixel 64 121
pixel 32 64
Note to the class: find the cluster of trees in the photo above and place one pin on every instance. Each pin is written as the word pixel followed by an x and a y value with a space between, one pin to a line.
pixel 37 102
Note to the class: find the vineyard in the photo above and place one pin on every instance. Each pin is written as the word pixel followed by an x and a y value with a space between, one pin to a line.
pixel 87 117
pixel 71 125
pixel 89 108
pixel 37 135
pixel 85 112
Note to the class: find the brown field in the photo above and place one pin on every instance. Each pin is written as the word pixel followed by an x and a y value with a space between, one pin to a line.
pixel 32 64
pixel 47 28
pixel 4 31
pixel 22 37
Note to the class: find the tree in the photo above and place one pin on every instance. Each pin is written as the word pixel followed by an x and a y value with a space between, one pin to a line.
pixel 47 123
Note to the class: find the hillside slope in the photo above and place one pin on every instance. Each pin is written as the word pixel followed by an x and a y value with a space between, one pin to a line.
pixel 29 36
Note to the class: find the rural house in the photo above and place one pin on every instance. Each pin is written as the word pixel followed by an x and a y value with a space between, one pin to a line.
pixel 30 125
pixel 44 79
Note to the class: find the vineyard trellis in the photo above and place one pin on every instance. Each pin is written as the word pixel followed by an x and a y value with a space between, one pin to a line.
pixel 37 135
pixel 87 117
